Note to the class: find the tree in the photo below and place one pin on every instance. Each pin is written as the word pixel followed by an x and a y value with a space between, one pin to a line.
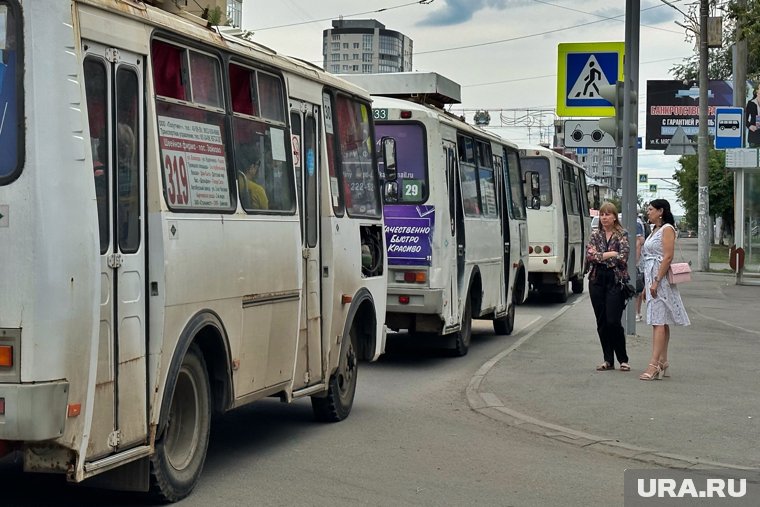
pixel 720 59
pixel 720 187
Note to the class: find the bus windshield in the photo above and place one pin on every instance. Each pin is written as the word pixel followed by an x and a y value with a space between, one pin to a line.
pixel 9 93
pixel 410 157
pixel 541 166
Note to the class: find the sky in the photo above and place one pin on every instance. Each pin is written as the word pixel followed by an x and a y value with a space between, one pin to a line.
pixel 502 52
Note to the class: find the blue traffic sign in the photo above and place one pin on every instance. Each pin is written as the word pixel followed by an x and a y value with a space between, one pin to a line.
pixel 582 70
pixel 729 127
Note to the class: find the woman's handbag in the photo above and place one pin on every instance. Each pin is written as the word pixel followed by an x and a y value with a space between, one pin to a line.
pixel 627 290
pixel 679 272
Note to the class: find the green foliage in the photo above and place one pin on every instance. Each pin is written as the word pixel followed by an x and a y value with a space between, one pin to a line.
pixel 720 184
pixel 739 22
pixel 216 17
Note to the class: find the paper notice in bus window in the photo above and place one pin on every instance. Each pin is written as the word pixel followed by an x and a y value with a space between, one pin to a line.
pixel 278 144
pixel 334 189
pixel 3 25
pixel 195 168
pixel 327 107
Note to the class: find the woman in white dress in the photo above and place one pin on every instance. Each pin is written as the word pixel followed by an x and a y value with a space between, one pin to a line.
pixel 664 305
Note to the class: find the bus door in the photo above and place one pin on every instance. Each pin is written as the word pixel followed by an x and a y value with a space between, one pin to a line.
pixel 502 200
pixel 115 97
pixel 455 230
pixel 566 210
pixel 305 145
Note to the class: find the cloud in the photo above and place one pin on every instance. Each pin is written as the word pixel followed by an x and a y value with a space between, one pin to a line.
pixel 456 12
pixel 649 16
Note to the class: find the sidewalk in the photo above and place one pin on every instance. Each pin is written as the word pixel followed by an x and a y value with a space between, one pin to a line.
pixel 706 415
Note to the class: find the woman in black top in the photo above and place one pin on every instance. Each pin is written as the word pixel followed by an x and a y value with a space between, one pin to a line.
pixel 607 256
pixel 751 120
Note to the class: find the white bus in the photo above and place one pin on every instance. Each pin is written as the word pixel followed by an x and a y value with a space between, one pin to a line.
pixel 457 234
pixel 560 228
pixel 189 222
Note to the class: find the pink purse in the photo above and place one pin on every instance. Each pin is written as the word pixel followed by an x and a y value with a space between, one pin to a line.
pixel 679 272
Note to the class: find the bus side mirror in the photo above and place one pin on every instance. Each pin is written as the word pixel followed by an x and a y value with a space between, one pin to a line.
pixel 535 189
pixel 389 159
pixel 594 197
pixel 390 190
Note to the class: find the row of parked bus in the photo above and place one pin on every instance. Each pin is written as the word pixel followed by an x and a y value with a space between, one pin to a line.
pixel 191 222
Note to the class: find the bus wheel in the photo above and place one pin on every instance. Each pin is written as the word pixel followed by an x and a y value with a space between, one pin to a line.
pixel 181 450
pixel 506 324
pixel 577 284
pixel 464 335
pixel 562 293
pixel 342 385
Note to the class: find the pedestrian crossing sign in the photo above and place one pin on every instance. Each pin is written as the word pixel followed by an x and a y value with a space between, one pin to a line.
pixel 581 69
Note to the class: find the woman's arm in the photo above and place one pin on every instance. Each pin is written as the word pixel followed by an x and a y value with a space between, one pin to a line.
pixel 668 249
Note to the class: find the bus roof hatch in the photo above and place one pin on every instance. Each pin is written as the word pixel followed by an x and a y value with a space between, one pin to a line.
pixel 425 87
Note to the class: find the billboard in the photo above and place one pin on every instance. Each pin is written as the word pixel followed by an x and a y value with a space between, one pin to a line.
pixel 672 104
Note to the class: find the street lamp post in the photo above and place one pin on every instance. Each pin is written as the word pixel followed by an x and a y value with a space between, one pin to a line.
pixel 703 196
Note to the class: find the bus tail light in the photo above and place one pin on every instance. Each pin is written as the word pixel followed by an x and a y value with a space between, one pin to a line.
pixel 415 277
pixel 6 355
pixel 2 407
pixel 406 115
pixel 404 300
pixel 530 249
pixel 547 249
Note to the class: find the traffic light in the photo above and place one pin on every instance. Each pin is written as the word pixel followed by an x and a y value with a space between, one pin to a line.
pixel 615 94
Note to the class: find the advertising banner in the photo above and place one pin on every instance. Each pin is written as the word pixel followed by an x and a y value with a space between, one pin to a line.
pixel 409 234
pixel 673 104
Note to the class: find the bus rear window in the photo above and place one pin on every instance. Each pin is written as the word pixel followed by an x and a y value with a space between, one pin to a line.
pixel 410 159
pixel 541 166
pixel 357 167
pixel 11 100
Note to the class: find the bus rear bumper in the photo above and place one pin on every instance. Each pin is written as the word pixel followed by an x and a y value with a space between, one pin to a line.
pixel 420 300
pixel 33 412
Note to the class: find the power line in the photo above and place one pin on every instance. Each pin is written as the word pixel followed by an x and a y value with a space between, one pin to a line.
pixel 528 36
pixel 555 75
pixel 419 2
pixel 606 17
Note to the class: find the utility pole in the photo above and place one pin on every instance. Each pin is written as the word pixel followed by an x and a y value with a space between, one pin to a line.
pixel 630 148
pixel 740 95
pixel 703 196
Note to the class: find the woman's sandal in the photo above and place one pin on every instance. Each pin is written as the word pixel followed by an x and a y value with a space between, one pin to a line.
pixel 605 366
pixel 625 367
pixel 651 375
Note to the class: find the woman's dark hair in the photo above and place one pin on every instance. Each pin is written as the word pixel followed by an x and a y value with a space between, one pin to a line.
pixel 664 205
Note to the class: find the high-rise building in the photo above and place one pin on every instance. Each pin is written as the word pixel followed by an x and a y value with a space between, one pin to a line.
pixel 364 46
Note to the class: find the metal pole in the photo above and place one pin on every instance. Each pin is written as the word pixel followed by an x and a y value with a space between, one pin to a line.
pixel 740 96
pixel 630 148
pixel 703 246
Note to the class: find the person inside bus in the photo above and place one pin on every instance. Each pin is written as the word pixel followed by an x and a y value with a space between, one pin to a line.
pixel 607 257
pixel 252 194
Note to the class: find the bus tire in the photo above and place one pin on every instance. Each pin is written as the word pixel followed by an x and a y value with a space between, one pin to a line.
pixel 342 384
pixel 563 293
pixel 180 452
pixel 463 337
pixel 577 284
pixel 505 325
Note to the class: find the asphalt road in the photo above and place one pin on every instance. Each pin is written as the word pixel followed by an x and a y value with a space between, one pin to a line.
pixel 411 439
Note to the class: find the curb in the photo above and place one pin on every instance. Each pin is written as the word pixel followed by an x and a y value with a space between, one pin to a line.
pixel 489 405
